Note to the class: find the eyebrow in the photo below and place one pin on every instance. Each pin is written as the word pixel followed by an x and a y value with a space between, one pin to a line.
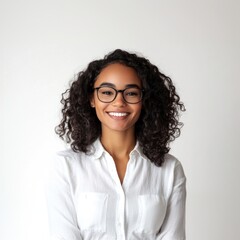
pixel 113 85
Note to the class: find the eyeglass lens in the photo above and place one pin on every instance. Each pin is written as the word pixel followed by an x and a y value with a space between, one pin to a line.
pixel 130 95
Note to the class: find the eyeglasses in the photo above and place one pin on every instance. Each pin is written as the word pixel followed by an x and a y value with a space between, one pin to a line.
pixel 131 95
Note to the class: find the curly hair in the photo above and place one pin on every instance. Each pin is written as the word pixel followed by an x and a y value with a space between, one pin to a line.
pixel 158 124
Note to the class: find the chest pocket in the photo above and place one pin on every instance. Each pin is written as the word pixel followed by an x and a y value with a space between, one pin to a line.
pixel 152 210
pixel 91 211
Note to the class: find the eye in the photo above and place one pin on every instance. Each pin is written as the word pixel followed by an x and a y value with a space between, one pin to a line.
pixel 106 91
pixel 132 93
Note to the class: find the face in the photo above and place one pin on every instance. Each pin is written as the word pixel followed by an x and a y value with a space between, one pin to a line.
pixel 117 115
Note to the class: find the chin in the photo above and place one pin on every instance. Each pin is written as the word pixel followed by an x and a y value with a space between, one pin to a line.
pixel 119 128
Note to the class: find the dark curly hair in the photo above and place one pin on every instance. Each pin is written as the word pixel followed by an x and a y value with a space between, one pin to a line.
pixel 158 124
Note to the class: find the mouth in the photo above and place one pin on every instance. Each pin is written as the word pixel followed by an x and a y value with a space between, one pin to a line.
pixel 118 114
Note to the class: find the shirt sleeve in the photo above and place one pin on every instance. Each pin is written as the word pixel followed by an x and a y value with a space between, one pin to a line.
pixel 173 227
pixel 61 211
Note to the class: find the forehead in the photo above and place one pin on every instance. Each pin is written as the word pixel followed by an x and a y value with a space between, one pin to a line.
pixel 118 75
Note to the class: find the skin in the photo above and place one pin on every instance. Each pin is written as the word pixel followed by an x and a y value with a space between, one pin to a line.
pixel 118 132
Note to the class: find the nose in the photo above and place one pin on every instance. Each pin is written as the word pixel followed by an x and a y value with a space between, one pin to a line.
pixel 119 100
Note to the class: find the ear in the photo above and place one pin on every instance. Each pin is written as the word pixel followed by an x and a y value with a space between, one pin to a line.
pixel 92 102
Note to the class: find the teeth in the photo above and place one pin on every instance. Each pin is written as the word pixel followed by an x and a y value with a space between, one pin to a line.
pixel 116 114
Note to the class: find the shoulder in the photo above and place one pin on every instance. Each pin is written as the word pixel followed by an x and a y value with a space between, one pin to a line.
pixel 174 171
pixel 67 154
pixel 172 163
pixel 70 155
pixel 71 159
pixel 170 169
pixel 95 150
pixel 172 175
pixel 173 166
pixel 68 160
pixel 66 157
pixel 67 164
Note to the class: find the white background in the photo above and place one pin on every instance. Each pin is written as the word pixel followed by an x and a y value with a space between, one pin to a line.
pixel 44 43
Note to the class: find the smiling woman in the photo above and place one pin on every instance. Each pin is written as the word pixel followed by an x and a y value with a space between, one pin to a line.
pixel 118 181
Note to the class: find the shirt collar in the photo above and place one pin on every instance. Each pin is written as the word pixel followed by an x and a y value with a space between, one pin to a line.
pixel 97 150
pixel 138 151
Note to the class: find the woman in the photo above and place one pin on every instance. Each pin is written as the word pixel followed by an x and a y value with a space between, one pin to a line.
pixel 118 181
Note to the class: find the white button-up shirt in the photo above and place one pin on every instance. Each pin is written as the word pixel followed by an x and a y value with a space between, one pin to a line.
pixel 86 199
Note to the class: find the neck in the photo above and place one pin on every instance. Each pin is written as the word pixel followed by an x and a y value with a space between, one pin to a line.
pixel 118 144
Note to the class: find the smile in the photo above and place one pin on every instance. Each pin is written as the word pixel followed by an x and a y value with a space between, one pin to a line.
pixel 118 114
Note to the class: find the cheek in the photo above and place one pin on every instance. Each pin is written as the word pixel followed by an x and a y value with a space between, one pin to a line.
pixel 139 108
pixel 99 108
pixel 138 111
pixel 98 114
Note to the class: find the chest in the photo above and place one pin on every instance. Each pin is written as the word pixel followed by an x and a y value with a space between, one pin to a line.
pixel 105 204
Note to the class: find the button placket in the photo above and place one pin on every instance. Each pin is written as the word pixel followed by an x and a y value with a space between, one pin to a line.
pixel 120 216
pixel 120 205
pixel 120 213
pixel 120 223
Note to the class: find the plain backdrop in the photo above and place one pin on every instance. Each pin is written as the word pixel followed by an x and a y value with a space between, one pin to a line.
pixel 43 44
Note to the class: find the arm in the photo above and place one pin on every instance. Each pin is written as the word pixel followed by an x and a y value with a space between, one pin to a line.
pixel 62 216
pixel 173 227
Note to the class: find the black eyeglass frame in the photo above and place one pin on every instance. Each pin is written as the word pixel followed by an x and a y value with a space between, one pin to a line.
pixel 121 91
